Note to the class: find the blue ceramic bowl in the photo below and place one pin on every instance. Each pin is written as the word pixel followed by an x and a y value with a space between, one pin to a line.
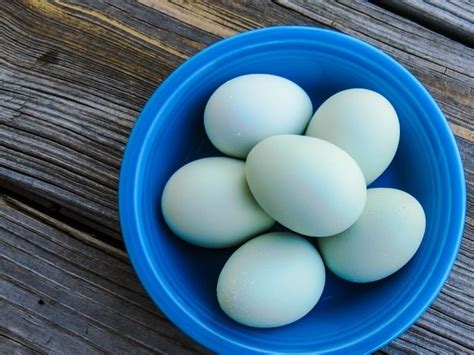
pixel 349 318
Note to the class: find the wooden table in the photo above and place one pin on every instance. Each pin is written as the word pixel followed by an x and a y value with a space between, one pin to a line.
pixel 73 78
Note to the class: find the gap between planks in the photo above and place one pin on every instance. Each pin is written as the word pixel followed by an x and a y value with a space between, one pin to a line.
pixel 447 18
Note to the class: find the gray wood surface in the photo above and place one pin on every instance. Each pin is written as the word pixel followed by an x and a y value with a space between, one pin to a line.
pixel 61 294
pixel 73 77
pixel 452 19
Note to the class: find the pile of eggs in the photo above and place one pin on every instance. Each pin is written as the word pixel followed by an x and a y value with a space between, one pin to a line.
pixel 314 184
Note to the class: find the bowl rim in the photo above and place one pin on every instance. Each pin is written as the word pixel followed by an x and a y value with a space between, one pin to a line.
pixel 132 160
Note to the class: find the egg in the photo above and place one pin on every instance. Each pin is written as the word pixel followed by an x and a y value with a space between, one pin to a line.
pixel 384 239
pixel 307 184
pixel 247 109
pixel 364 124
pixel 271 280
pixel 208 203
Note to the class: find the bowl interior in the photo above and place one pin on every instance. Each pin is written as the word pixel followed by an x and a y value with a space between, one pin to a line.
pixel 182 278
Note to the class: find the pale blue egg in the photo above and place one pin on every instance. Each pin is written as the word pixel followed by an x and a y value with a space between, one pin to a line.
pixel 249 108
pixel 208 203
pixel 384 239
pixel 271 280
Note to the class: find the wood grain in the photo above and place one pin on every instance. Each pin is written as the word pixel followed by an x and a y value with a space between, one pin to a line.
pixel 75 75
pixel 452 19
pixel 61 295
pixel 73 78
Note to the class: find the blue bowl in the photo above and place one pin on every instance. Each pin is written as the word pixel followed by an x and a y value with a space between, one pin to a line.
pixel 349 318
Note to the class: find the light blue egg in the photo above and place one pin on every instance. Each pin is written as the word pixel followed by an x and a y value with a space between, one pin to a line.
pixel 271 280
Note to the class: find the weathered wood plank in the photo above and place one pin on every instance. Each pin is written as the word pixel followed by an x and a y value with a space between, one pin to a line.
pixel 452 19
pixel 64 295
pixel 90 239
pixel 70 93
pixel 73 77
pixel 25 324
pixel 359 18
pixel 11 346
pixel 52 277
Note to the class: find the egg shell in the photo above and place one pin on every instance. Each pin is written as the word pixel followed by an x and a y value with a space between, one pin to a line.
pixel 272 280
pixel 247 109
pixel 364 124
pixel 309 185
pixel 208 203
pixel 382 241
